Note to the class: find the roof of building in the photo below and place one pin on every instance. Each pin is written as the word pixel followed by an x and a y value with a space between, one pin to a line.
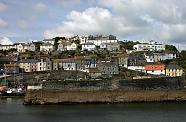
pixel 49 40
pixel 173 66
pixel 154 63
pixel 28 61
pixel 88 43
pixel 6 58
pixel 11 65
pixel 94 70
pixel 47 44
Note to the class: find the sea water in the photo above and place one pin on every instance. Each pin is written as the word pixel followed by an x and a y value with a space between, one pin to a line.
pixel 13 110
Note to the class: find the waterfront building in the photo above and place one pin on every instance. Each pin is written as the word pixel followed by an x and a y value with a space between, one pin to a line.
pixel 5 60
pixel 94 73
pixel 44 64
pixel 11 68
pixel 57 64
pixel 173 70
pixel 28 65
pixel 85 63
pixel 69 64
pixel 108 67
pixel 155 68
pixel 123 61
pixel 136 59
pixel 137 68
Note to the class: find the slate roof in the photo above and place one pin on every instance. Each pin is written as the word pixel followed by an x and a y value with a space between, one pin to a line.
pixel 173 66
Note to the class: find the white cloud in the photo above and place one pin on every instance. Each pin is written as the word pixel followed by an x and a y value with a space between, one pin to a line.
pixel 5 41
pixel 40 7
pixel 128 19
pixel 3 7
pixel 23 24
pixel 92 21
pixel 3 23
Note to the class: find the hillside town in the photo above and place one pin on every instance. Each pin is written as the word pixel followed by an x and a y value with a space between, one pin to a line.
pixel 96 55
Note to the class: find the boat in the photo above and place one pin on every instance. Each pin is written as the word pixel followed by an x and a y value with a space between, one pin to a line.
pixel 13 92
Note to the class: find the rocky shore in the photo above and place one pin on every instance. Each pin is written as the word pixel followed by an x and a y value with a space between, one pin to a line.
pixel 102 96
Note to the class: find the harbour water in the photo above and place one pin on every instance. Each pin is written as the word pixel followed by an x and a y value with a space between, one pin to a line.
pixel 13 110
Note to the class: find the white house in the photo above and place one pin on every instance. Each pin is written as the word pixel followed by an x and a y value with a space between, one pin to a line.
pixel 151 46
pixel 21 47
pixel 31 47
pixel 47 47
pixel 28 65
pixel 83 39
pixel 7 47
pixel 123 61
pixel 60 47
pixel 164 56
pixel 155 68
pixel 71 46
pixel 149 57
pixel 44 64
pixel 88 46
pixel 170 55
pixel 137 68
pixel 103 46
pixel 51 41
pixel 99 39
pixel 69 64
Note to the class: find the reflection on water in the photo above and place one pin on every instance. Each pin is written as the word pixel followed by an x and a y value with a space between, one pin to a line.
pixel 12 109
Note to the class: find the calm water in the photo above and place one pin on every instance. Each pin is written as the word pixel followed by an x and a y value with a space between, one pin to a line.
pixel 12 110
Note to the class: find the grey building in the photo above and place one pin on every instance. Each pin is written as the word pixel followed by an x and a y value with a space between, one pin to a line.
pixel 136 59
pixel 108 67
pixel 5 60
pixel 11 68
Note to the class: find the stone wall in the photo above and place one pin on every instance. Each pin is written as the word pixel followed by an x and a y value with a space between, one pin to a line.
pixel 78 85
pixel 134 84
pixel 102 96
pixel 152 83
pixel 108 91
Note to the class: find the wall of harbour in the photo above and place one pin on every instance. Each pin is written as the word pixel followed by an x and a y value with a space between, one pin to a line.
pixel 108 91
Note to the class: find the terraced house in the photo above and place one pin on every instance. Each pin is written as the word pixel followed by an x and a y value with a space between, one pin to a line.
pixel 173 70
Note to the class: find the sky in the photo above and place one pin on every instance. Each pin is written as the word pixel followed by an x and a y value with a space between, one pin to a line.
pixel 161 20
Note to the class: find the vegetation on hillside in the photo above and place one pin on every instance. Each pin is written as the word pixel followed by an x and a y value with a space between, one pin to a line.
pixel 128 44
pixel 171 48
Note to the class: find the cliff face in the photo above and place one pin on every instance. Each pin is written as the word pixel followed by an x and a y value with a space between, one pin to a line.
pixel 114 96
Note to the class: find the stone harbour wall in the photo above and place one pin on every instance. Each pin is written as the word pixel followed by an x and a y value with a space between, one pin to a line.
pixel 114 96
pixel 108 91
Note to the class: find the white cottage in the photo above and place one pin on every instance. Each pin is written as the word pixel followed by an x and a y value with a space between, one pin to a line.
pixel 88 46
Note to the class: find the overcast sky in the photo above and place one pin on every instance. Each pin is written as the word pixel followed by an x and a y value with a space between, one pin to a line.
pixel 160 20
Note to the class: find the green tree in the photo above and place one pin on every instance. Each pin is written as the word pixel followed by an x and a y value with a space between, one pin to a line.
pixel 171 48
pixel 182 59
pixel 37 45
pixel 127 44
